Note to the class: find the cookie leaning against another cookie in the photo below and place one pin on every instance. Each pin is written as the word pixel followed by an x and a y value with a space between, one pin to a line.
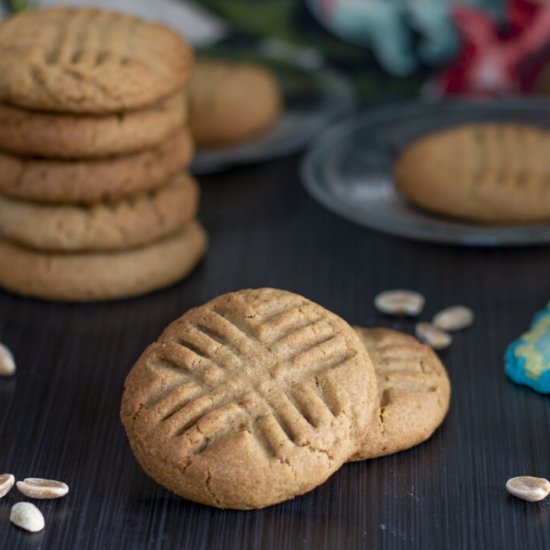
pixel 90 276
pixel 133 221
pixel 92 181
pixel 63 136
pixel 251 399
pixel 89 61
pixel 489 173
pixel 413 392
pixel 231 102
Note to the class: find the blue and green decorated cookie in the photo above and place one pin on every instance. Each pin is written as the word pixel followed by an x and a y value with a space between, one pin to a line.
pixel 527 360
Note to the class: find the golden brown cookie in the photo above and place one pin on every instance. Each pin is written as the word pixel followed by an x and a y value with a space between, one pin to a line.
pixel 89 61
pixel 133 221
pixel 251 399
pixel 90 276
pixel 62 136
pixel 413 392
pixel 489 173
pixel 231 102
pixel 92 181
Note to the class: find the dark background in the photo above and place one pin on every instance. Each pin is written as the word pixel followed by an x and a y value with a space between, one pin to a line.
pixel 59 414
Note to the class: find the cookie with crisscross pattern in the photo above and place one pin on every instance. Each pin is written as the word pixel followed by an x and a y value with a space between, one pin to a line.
pixel 251 399
pixel 413 392
pixel 489 173
pixel 89 61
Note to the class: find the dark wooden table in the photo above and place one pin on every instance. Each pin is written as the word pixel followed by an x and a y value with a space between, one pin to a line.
pixel 59 414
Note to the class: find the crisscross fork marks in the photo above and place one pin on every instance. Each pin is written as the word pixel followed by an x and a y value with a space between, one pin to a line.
pixel 299 327
pixel 202 333
pixel 216 426
pixel 278 326
pixel 83 30
pixel 282 312
pixel 327 348
pixel 408 383
pixel 192 348
pixel 99 43
pixel 479 170
pixel 506 156
pixel 204 411
pixel 282 426
pixel 279 393
pixel 409 361
pixel 314 350
pixel 173 398
pixel 295 420
pixel 204 372
pixel 234 324
pixel 515 155
pixel 68 41
pixel 488 151
pixel 203 376
pixel 312 403
pixel 396 364
pixel 388 345
pixel 294 415
pixel 59 31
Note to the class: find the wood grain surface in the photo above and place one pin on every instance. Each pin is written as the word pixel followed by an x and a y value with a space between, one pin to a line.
pixel 59 414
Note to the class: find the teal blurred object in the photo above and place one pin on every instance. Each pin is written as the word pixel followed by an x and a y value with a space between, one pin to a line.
pixel 388 27
pixel 527 360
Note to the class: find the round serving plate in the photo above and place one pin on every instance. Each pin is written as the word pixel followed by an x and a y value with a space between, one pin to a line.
pixel 349 169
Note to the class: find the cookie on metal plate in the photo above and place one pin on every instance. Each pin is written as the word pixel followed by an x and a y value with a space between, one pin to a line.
pixel 231 102
pixel 488 173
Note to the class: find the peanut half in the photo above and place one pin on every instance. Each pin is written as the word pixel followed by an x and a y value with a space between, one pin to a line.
pixel 33 487
pixel 27 516
pixel 433 336
pixel 400 302
pixel 6 483
pixel 528 488
pixel 7 362
pixel 454 318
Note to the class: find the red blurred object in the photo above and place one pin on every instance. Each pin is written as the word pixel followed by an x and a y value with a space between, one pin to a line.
pixel 497 60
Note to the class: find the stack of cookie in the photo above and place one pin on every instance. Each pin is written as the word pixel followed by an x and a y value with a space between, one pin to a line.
pixel 260 395
pixel 94 200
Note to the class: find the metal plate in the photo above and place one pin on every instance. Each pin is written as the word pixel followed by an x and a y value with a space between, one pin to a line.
pixel 349 170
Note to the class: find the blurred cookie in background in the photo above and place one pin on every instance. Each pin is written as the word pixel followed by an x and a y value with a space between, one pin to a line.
pixel 231 102
pixel 491 173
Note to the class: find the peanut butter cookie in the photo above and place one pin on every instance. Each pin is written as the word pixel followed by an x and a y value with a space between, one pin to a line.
pixel 251 399
pixel 89 61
